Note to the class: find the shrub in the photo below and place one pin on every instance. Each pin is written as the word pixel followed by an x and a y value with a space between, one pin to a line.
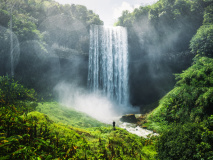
pixel 192 98
pixel 183 142
pixel 11 91
pixel 202 42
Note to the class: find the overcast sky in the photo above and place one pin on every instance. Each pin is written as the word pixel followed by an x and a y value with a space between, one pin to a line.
pixel 109 10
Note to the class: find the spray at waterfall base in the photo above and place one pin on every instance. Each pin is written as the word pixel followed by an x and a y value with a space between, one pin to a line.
pixel 94 104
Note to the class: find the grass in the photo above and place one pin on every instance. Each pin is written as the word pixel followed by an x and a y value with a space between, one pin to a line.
pixel 68 116
pixel 96 133
pixel 155 120
pixel 53 131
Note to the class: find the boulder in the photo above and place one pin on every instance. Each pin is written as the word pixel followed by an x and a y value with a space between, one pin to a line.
pixel 130 118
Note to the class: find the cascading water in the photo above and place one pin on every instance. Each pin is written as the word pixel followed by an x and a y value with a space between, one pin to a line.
pixel 108 62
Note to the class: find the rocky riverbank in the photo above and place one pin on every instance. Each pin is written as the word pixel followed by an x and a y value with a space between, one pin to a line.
pixel 133 123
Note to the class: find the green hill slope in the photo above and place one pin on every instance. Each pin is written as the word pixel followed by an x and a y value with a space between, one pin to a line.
pixel 192 98
pixel 185 115
pixel 67 116
pixel 37 136
pixel 52 131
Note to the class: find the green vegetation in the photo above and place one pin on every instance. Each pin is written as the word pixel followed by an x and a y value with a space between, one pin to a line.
pixel 184 115
pixel 11 91
pixel 159 36
pixel 192 98
pixel 31 128
pixel 172 22
pixel 40 34
pixel 202 42
pixel 59 113
pixel 52 131
pixel 186 141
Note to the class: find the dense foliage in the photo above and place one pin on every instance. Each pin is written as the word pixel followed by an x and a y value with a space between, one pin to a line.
pixel 186 141
pixel 159 38
pixel 184 115
pixel 33 17
pixel 11 92
pixel 173 22
pixel 192 98
pixel 27 134
pixel 202 42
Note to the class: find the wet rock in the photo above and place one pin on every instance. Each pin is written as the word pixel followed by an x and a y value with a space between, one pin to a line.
pixel 130 118
pixel 144 127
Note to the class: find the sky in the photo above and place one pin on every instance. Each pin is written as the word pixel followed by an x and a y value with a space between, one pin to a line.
pixel 109 10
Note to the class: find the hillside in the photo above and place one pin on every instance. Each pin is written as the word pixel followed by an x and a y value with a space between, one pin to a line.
pixel 184 115
pixel 51 131
pixel 176 37
pixel 159 37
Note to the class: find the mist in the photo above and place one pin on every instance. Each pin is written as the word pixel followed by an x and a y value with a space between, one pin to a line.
pixel 96 105
pixel 157 52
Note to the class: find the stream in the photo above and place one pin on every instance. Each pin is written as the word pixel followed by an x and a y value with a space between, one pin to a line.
pixel 134 129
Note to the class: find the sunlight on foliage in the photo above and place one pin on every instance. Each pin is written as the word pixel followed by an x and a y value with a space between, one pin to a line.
pixel 56 132
pixel 62 114
pixel 184 115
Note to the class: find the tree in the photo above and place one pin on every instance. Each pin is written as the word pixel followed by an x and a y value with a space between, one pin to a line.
pixel 183 142
pixel 202 42
pixel 11 91
pixel 208 15
pixel 25 28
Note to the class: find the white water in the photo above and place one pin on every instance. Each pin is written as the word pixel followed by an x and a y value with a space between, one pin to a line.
pixel 108 62
pixel 134 129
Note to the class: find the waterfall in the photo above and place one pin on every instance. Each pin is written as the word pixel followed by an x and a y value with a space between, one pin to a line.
pixel 108 62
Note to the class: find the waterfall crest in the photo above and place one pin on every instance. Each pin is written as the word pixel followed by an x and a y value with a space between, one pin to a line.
pixel 108 62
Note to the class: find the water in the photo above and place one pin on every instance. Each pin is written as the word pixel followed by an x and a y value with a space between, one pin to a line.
pixel 134 129
pixel 108 62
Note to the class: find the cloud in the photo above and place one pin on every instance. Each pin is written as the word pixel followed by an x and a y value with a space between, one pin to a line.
pixel 124 6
